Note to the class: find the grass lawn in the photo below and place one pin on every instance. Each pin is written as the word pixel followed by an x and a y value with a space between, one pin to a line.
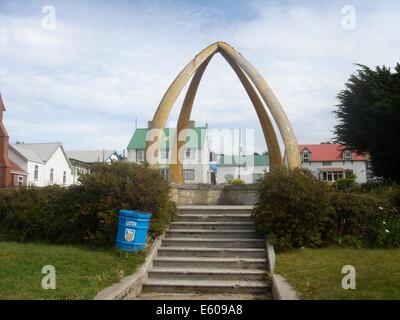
pixel 316 273
pixel 80 272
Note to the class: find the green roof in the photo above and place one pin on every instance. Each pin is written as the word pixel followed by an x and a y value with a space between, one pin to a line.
pixel 138 140
pixel 258 160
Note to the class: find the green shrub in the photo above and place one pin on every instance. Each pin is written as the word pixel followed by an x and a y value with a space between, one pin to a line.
pixel 125 186
pixel 388 234
pixel 391 192
pixel 293 208
pixel 350 175
pixel 86 213
pixel 349 241
pixel 346 183
pixel 236 181
pixel 359 215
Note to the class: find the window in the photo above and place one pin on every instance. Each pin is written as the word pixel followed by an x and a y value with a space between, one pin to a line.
pixel 326 163
pixel 140 155
pixel 20 181
pixel 305 157
pixel 331 176
pixel 349 172
pixel 188 174
pixel 188 153
pixel 51 175
pixel 347 155
pixel 337 175
pixel 36 173
pixel 64 177
pixel 164 154
pixel 165 173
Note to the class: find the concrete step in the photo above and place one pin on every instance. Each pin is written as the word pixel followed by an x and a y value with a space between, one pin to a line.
pixel 205 286
pixel 212 225
pixel 202 296
pixel 211 234
pixel 211 252
pixel 213 243
pixel 217 209
pixel 193 262
pixel 207 274
pixel 205 217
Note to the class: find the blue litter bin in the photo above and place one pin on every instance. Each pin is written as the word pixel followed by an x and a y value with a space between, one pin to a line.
pixel 132 230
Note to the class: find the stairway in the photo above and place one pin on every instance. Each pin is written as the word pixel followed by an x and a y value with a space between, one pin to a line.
pixel 209 251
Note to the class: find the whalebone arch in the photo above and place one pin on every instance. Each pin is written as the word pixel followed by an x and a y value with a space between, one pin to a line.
pixel 255 86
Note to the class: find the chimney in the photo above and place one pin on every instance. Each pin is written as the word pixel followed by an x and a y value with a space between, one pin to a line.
pixel 192 124
pixel 5 173
pixel 150 124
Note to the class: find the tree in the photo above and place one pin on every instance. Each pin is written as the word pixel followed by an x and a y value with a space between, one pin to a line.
pixel 369 118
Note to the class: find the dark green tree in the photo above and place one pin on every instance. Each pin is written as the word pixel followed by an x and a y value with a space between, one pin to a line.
pixel 369 118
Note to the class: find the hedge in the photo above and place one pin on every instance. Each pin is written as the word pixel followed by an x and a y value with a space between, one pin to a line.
pixel 294 209
pixel 88 212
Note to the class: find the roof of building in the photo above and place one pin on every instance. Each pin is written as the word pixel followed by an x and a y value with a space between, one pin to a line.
pixel 16 168
pixel 91 156
pixel 38 152
pixel 196 141
pixel 328 152
pixel 258 160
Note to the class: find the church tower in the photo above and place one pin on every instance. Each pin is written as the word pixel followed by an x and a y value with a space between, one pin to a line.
pixel 5 173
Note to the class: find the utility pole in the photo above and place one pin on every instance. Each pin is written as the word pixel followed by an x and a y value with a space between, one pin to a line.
pixel 240 151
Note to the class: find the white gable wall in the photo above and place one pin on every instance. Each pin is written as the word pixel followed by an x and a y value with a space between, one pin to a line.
pixel 29 167
pixel 39 182
pixel 59 163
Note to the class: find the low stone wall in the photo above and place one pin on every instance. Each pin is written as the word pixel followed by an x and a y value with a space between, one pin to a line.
pixel 205 194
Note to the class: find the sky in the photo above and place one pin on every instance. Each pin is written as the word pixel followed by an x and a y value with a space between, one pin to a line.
pixel 103 66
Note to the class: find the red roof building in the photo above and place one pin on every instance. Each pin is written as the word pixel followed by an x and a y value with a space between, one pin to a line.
pixel 329 152
pixel 329 161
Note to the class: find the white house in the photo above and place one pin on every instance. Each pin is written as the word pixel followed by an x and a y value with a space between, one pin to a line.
pixel 196 162
pixel 45 163
pixel 82 160
pixel 249 168
pixel 329 162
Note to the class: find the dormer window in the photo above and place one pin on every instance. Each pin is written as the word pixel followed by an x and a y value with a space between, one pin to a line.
pixel 305 157
pixel 347 156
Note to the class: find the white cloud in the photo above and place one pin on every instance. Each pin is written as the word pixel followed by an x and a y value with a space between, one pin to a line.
pixel 86 82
